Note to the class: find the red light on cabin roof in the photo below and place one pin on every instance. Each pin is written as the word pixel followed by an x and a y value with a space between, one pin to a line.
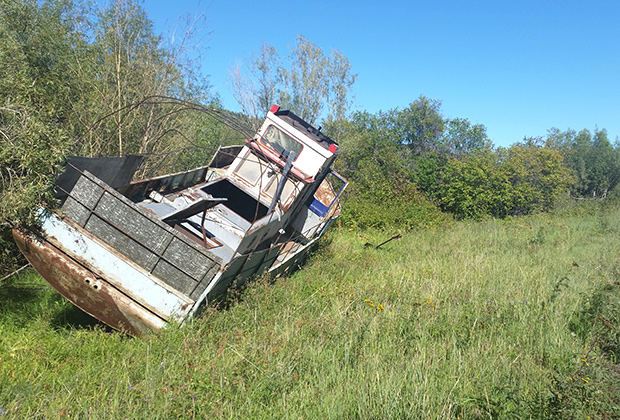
pixel 274 109
pixel 332 148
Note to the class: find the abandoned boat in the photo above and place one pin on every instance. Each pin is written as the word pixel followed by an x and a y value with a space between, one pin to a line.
pixel 139 255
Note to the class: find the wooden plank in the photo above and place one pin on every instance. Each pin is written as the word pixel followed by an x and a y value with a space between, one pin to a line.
pixel 75 211
pixel 174 277
pixel 132 222
pixel 122 243
pixel 141 233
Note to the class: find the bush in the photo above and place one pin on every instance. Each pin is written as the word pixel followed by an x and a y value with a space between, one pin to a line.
pixel 400 205
pixel 520 180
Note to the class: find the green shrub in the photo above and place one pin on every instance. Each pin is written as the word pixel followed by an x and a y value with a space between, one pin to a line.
pixel 400 206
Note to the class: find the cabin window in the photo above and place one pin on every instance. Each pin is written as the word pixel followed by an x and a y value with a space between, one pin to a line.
pixel 251 170
pixel 286 191
pixel 281 142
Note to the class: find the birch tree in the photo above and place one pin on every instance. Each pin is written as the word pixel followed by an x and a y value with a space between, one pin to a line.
pixel 256 90
pixel 307 81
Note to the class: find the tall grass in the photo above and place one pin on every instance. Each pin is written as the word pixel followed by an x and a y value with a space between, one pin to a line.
pixel 496 319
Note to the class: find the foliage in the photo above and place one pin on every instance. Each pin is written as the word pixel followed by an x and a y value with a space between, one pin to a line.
pixel 36 93
pixel 391 157
pixel 522 179
pixel 88 82
pixel 593 159
pixel 382 193
pixel 132 74
pixel 420 125
pixel 461 138
pixel 257 91
pixel 306 83
pixel 538 177
pixel 499 319
pixel 390 206
pixel 473 187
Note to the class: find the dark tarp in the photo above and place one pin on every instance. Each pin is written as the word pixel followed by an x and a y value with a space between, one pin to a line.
pixel 114 171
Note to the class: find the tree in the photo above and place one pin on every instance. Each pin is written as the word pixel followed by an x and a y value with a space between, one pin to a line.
pixel 307 82
pixel 383 192
pixel 420 125
pixel 537 175
pixel 605 165
pixel 523 179
pixel 461 138
pixel 132 63
pixel 37 91
pixel 257 92
pixel 79 82
pixel 594 161
pixel 474 187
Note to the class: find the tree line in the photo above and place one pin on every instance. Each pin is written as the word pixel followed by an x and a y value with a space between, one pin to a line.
pixel 404 161
pixel 76 79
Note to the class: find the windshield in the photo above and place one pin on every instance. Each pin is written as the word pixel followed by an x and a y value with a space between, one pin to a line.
pixel 281 142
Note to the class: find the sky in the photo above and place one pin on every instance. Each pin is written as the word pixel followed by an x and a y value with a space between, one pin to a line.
pixel 518 67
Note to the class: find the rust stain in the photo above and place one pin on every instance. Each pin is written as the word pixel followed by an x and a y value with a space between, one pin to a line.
pixel 193 195
pixel 326 195
pixel 82 287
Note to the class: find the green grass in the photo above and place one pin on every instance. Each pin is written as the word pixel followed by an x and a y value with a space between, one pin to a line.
pixel 496 319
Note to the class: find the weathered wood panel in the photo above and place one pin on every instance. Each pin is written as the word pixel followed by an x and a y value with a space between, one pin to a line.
pixel 133 223
pixel 87 192
pixel 201 287
pixel 122 243
pixel 75 211
pixel 141 238
pixel 188 259
pixel 174 277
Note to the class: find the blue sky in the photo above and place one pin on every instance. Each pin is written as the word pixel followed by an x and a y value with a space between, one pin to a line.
pixel 517 67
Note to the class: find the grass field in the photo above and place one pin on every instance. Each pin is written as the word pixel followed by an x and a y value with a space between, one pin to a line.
pixel 495 319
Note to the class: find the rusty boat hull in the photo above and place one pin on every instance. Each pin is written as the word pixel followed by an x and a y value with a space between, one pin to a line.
pixel 140 255
pixel 81 287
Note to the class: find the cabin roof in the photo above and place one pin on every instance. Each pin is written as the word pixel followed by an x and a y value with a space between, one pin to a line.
pixel 315 134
